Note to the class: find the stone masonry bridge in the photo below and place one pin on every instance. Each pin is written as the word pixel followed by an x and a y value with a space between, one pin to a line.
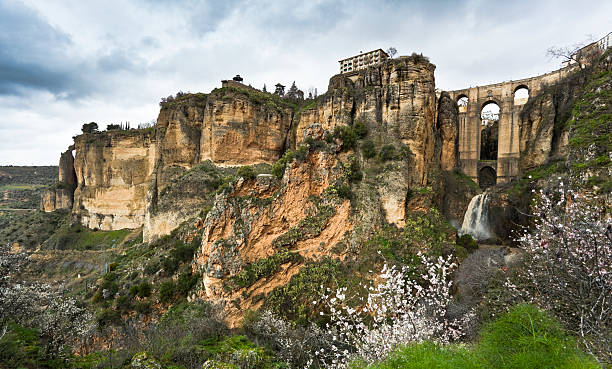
pixel 505 167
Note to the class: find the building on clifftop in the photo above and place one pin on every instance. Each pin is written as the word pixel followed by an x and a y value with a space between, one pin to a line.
pixel 362 61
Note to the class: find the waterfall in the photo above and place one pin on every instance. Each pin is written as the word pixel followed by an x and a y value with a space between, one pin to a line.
pixel 476 218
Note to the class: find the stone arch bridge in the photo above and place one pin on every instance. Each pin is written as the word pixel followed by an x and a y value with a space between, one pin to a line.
pixel 505 167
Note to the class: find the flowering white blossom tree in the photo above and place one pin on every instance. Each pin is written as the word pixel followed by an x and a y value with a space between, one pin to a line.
pixel 397 311
pixel 60 320
pixel 568 256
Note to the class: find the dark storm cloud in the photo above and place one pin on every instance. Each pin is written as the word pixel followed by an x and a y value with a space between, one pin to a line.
pixel 29 52
pixel 36 56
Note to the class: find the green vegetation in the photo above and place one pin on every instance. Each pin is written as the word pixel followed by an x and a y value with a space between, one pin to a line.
pixel 309 227
pixel 387 152
pixel 31 228
pixel 247 172
pixel 74 236
pixel 591 121
pixel 347 135
pixel 271 101
pixel 278 169
pixel 368 149
pixel 262 268
pixel 523 338
pixel 22 187
pixel 293 301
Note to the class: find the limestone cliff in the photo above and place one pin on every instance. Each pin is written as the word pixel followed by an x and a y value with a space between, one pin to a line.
pixel 61 195
pixel 396 99
pixel 277 221
pixel 233 125
pixel 113 170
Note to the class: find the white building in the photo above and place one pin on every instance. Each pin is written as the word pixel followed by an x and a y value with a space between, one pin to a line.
pixel 362 61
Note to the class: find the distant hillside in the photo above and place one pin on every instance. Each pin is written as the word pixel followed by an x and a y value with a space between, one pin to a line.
pixel 21 187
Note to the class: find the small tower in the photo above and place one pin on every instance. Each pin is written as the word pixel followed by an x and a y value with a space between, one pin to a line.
pixel 237 78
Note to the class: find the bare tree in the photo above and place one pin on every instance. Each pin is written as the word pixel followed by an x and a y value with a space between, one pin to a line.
pixel 391 52
pixel 570 54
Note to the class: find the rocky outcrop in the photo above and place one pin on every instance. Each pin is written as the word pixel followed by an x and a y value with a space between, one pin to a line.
pixel 234 125
pixel 113 171
pixel 543 122
pixel 448 132
pixel 395 99
pixel 264 218
pixel 61 195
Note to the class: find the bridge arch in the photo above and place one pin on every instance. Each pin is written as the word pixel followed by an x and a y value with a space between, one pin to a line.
pixel 462 102
pixel 521 94
pixel 487 177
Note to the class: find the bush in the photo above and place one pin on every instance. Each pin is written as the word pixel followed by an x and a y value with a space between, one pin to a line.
pixel 143 307
pixel 344 191
pixel 466 241
pixel 387 153
pixel 124 303
pixel 523 338
pixel 166 291
pixel 144 289
pixel 107 317
pixel 368 149
pixel 186 282
pixel 361 129
pixel 247 172
pixel 355 174
pixel 151 268
pixel 347 135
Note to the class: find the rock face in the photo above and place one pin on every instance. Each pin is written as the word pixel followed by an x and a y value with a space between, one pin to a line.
pixel 448 129
pixel 264 218
pixel 234 125
pixel 396 100
pixel 113 170
pixel 61 195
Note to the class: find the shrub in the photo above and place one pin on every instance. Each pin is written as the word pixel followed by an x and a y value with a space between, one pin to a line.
pixel 368 149
pixel 387 152
pixel 355 171
pixel 569 248
pixel 347 135
pixel 361 129
pixel 467 242
pixel 143 307
pixel 247 172
pixel 144 289
pixel 124 303
pixel 344 191
pixel 107 317
pixel 166 291
pixel 151 268
pixel 186 282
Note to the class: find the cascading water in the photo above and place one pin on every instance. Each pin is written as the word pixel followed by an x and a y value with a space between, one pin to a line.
pixel 476 218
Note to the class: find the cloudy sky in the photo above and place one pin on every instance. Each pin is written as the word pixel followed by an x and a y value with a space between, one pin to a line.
pixel 67 62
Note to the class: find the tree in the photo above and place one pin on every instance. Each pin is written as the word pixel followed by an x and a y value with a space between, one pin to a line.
pixel 570 54
pixel 280 90
pixel 91 127
pixel 391 52
pixel 264 88
pixel 408 305
pixel 568 255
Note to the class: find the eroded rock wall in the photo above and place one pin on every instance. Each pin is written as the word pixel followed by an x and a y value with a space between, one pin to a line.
pixel 232 126
pixel 113 170
pixel 395 99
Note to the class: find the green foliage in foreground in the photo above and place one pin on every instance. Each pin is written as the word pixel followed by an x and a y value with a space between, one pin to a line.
pixel 523 338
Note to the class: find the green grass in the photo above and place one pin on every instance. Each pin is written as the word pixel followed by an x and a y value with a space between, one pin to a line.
pixel 77 237
pixel 524 338
pixel 16 186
